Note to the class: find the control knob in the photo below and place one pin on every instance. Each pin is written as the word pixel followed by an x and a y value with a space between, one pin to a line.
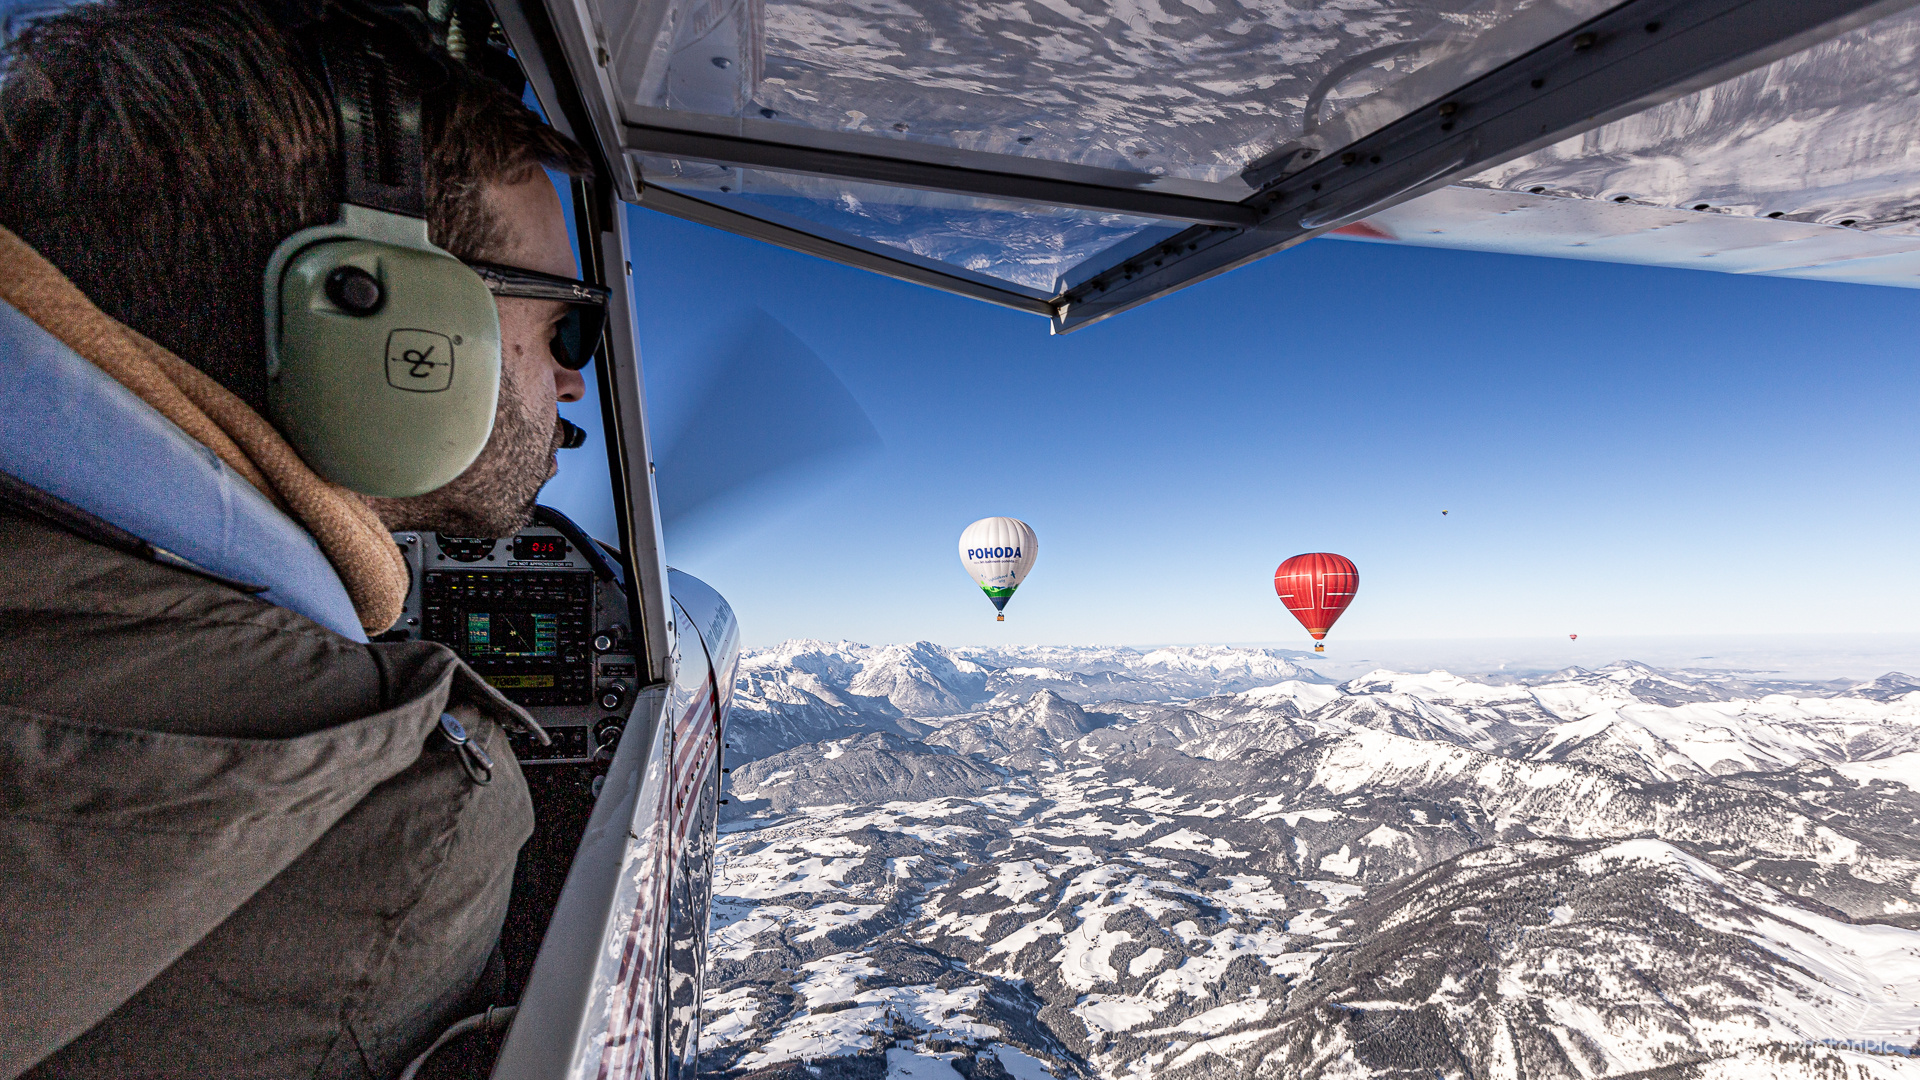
pixel 613 695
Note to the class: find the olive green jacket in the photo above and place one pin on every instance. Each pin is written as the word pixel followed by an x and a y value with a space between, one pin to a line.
pixel 232 842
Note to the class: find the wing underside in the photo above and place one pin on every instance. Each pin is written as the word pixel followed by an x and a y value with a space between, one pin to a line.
pixel 1077 158
pixel 1804 168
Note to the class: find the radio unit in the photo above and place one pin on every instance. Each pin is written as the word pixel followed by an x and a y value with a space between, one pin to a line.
pixel 540 618
pixel 529 633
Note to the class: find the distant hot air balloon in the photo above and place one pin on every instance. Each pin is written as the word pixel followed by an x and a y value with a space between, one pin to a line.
pixel 998 552
pixel 1443 513
pixel 1573 637
pixel 1317 587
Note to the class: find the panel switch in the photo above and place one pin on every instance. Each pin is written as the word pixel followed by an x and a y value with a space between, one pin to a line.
pixel 612 695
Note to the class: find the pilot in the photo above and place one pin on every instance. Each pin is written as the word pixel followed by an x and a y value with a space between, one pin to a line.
pixel 236 838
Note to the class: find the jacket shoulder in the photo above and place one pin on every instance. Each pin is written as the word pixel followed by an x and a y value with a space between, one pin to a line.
pixel 102 636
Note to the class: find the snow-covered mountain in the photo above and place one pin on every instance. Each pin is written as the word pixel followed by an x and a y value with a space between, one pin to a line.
pixel 1612 873
pixel 808 691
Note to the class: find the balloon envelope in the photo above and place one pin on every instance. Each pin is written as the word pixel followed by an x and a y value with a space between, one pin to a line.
pixel 998 552
pixel 1317 587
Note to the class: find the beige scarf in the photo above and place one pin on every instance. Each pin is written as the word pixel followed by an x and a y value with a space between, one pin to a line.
pixel 348 531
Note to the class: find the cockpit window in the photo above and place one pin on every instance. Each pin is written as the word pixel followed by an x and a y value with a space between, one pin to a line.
pixel 1183 96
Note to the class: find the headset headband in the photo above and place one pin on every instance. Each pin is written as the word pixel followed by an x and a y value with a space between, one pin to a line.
pixel 382 158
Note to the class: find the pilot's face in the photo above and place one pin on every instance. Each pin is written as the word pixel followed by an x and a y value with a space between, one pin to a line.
pixel 495 496
pixel 536 240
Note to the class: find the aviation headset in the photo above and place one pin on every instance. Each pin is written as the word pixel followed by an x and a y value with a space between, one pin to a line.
pixel 383 351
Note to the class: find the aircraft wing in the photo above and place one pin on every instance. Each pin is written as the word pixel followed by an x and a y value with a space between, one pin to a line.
pixel 1804 168
pixel 1077 158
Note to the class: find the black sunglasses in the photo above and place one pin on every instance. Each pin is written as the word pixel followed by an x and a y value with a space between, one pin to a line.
pixel 578 335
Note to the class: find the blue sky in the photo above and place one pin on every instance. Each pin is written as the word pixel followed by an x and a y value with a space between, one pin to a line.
pixel 1624 451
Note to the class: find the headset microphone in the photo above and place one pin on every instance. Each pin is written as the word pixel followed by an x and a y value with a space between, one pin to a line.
pixel 383 351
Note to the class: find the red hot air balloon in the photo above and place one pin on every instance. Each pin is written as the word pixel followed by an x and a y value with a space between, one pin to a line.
pixel 1317 587
pixel 1573 637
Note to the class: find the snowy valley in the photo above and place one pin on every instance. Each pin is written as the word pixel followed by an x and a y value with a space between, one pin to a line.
pixel 1210 862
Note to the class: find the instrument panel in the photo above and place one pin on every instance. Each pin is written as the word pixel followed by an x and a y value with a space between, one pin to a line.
pixel 541 620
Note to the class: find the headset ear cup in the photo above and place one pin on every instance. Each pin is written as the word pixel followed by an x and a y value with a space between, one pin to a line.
pixel 385 370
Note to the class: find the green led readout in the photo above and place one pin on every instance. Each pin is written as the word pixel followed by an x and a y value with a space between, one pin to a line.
pixel 512 634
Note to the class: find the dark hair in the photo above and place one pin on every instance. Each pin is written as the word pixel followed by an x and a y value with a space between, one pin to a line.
pixel 157 151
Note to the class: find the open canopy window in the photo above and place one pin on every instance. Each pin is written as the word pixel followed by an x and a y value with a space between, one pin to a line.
pixel 1078 157
pixel 1168 96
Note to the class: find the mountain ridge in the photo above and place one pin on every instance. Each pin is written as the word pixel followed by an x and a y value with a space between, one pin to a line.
pixel 1614 872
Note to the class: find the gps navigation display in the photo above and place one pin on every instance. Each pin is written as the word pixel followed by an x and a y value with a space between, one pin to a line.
pixel 503 634
pixel 525 632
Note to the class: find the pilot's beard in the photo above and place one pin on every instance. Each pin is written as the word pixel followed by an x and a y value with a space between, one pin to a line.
pixel 495 496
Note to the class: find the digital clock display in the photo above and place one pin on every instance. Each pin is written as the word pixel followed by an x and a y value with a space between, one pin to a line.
pixel 539 548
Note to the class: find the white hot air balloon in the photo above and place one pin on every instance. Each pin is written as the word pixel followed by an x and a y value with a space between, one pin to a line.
pixel 998 552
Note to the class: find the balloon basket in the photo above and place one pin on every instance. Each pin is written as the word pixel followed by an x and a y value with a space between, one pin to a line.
pixel 999 618
pixel 1319 648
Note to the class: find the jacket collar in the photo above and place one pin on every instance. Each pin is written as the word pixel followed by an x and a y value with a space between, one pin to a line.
pixel 76 434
